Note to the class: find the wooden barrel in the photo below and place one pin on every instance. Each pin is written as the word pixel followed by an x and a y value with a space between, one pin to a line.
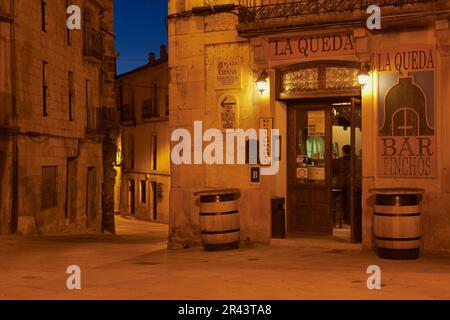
pixel 219 219
pixel 397 223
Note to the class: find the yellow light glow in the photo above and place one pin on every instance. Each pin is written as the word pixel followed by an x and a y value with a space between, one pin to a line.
pixel 263 86
pixel 363 79
pixel 262 83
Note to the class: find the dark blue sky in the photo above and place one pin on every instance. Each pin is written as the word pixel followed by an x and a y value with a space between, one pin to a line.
pixel 140 28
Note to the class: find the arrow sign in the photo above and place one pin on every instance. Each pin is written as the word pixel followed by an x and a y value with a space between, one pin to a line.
pixel 226 104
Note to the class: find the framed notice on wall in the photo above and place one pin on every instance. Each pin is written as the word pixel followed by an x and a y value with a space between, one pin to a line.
pixel 316 123
pixel 228 73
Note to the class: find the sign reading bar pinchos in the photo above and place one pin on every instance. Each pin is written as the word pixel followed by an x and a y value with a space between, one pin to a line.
pixel 407 145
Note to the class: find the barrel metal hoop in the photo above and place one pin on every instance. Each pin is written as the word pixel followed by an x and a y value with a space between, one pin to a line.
pixel 219 198
pixel 397 200
pixel 399 239
pixel 397 215
pixel 220 232
pixel 221 246
pixel 208 214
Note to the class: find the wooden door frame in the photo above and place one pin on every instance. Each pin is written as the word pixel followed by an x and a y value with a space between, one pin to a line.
pixel 292 164
pixel 354 102
pixel 312 104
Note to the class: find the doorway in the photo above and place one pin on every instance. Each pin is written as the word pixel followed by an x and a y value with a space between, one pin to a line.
pixel 71 190
pixel 131 197
pixel 91 202
pixel 324 168
pixel 154 201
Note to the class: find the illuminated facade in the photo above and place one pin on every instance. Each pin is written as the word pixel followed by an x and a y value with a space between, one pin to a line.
pixel 145 167
pixel 318 56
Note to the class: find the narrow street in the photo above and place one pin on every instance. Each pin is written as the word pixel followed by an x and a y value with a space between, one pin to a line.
pixel 135 264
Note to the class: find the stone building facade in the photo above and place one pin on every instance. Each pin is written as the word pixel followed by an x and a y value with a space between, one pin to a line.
pixel 145 168
pixel 313 53
pixel 58 117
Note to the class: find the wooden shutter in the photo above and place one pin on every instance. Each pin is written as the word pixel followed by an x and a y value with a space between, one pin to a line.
pixel 48 187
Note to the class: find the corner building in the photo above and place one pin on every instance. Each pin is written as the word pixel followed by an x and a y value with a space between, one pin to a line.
pixel 331 83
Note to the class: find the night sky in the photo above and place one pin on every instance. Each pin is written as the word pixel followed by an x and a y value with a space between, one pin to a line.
pixel 140 28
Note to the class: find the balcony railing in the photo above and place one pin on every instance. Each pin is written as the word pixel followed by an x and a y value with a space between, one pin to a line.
pixel 282 8
pixel 93 43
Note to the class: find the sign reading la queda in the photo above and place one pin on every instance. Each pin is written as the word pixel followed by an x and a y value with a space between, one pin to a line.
pixel 407 145
pixel 312 46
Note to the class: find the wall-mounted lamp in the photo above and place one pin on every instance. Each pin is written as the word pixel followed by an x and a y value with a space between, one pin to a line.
pixel 363 76
pixel 119 160
pixel 262 83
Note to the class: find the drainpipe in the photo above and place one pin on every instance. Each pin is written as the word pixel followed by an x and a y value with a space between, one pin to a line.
pixel 15 148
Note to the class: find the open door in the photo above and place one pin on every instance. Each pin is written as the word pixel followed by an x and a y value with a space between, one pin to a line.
pixel 325 169
pixel 309 170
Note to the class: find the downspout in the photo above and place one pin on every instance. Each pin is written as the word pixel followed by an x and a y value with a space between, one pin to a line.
pixel 15 148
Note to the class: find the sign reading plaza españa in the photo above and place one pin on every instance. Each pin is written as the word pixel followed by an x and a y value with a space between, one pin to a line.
pixel 407 145
pixel 312 46
pixel 228 74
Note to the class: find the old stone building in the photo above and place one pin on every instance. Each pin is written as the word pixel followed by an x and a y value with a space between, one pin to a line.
pixel 331 82
pixel 57 117
pixel 145 140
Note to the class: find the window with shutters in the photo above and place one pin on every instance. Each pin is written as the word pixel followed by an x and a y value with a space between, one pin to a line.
pixel 44 89
pixel 48 187
pixel 44 15
pixel 71 94
pixel 149 109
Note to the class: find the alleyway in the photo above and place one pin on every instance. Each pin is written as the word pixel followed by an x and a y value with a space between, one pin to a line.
pixel 136 265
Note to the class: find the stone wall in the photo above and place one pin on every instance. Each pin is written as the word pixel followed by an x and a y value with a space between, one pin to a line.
pixel 195 44
pixel 64 132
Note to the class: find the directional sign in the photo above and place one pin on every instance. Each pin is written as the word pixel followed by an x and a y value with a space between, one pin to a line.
pixel 228 105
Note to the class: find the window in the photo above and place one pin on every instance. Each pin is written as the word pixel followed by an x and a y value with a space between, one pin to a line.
pixel 143 191
pixel 44 88
pixel 149 109
pixel 88 93
pixel 154 153
pixel 167 105
pixel 91 116
pixel 68 31
pixel 48 187
pixel 131 155
pixel 101 80
pixel 43 15
pixel 71 95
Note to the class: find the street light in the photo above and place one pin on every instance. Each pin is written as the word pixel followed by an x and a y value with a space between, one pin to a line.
pixel 262 83
pixel 363 76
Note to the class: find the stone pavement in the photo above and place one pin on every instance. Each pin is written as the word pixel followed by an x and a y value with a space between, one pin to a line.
pixel 136 265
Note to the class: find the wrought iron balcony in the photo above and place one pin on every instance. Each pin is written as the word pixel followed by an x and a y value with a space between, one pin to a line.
pixel 93 44
pixel 289 8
